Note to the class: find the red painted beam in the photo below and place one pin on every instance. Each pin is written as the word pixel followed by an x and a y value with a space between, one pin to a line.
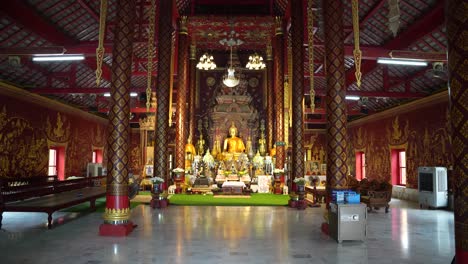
pixel 24 14
pixel 433 19
pixel 80 90
pixel 369 14
pixel 32 51
pixel 376 94
pixel 91 63
pixel 133 110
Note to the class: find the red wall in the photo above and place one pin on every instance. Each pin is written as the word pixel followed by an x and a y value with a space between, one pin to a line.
pixel 423 132
pixel 28 127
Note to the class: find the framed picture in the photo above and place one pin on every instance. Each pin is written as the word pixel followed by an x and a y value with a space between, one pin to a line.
pixel 323 168
pixel 312 167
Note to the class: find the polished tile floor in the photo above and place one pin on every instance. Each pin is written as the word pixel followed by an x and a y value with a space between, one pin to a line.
pixel 241 235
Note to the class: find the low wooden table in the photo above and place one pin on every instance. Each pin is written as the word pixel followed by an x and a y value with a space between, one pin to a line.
pixel 319 193
pixel 233 187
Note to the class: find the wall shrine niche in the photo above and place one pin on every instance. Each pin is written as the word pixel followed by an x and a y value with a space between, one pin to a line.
pixel 243 105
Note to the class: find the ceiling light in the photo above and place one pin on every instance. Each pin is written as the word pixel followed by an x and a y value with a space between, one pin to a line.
pixel 106 94
pixel 402 62
pixel 133 94
pixel 58 58
pixel 352 97
pixel 230 79
pixel 206 62
pixel 255 62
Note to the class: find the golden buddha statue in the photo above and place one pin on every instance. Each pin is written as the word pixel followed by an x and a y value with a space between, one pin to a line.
pixel 190 152
pixel 261 145
pixel 233 144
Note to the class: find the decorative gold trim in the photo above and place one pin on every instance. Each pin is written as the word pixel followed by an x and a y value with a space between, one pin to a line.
pixel 424 102
pixel 183 30
pixel 149 68
pixel 23 95
pixel 193 52
pixel 112 214
pixel 278 25
pixel 310 40
pixel 100 49
pixel 357 51
pixel 269 52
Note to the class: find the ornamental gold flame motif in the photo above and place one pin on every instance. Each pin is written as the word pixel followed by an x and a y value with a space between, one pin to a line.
pixel 150 54
pixel 100 49
pixel 357 51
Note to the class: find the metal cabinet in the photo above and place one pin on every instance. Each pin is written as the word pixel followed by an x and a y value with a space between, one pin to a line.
pixel 347 221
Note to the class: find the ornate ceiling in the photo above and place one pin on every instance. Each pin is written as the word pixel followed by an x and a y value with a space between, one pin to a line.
pixel 37 25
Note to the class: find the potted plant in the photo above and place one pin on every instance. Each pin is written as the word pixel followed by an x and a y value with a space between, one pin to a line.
pixel 300 182
pixel 278 172
pixel 178 172
pixel 156 184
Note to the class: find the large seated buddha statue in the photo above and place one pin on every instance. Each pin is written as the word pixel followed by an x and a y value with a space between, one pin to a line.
pixel 233 144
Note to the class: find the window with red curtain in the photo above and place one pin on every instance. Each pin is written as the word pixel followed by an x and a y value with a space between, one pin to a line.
pixel 97 156
pixel 57 162
pixel 360 165
pixel 398 163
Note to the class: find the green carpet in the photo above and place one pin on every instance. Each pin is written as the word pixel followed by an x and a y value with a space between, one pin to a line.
pixel 257 199
pixel 100 206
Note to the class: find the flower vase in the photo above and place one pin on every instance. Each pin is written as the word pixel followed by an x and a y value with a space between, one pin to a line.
pixel 300 188
pixel 277 176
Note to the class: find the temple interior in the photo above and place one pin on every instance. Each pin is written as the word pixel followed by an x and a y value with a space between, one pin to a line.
pixel 204 131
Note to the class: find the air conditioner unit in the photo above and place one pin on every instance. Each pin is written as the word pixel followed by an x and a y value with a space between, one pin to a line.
pixel 432 186
pixel 94 169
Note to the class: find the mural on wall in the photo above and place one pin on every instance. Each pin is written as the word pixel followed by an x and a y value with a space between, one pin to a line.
pixel 22 147
pixel 426 141
pixel 136 165
pixel 26 133
pixel 315 145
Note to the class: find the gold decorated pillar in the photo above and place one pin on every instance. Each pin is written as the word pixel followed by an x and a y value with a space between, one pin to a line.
pixel 457 32
pixel 117 213
pixel 192 87
pixel 279 92
pixel 270 96
pixel 181 110
pixel 336 92
pixel 297 32
pixel 163 88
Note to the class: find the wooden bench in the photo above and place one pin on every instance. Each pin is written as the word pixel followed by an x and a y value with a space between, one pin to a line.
pixel 48 196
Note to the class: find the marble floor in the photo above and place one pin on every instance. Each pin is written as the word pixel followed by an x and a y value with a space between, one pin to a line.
pixel 182 234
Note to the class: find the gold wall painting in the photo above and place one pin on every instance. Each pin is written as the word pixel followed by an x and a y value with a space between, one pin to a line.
pixel 26 136
pixel 23 149
pixel 427 143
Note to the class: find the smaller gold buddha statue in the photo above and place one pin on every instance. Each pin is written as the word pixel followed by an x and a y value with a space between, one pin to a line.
pixel 190 152
pixel 261 145
pixel 201 145
pixel 233 144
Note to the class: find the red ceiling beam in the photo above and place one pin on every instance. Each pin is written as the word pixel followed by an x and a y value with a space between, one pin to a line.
pixel 376 94
pixel 369 14
pixel 80 90
pixel 133 110
pixel 91 12
pixel 433 19
pixel 25 15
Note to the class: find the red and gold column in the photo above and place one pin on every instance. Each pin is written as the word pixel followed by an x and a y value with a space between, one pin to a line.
pixel 279 91
pixel 193 78
pixel 181 110
pixel 457 30
pixel 270 95
pixel 297 43
pixel 117 213
pixel 336 92
pixel 163 87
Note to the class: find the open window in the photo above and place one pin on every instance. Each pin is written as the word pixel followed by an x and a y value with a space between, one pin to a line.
pixel 57 162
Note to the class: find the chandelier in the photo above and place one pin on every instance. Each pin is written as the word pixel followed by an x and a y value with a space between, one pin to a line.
pixel 206 62
pixel 255 62
pixel 230 79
